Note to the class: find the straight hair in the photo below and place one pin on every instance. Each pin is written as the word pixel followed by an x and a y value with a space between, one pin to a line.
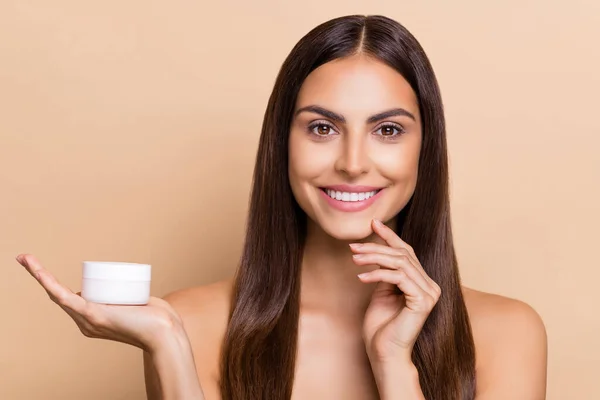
pixel 259 350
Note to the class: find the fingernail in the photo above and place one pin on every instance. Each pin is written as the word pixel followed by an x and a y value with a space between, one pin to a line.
pixel 363 275
pixel 357 255
pixel 378 222
pixel 355 245
pixel 19 259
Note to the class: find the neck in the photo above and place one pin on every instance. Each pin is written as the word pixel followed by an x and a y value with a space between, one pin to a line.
pixel 329 281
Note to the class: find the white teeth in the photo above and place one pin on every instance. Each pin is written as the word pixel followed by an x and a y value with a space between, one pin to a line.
pixel 348 196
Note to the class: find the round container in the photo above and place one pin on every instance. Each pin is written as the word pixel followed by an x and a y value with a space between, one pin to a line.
pixel 116 282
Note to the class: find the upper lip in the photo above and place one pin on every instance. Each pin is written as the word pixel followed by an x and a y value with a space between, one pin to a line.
pixel 352 188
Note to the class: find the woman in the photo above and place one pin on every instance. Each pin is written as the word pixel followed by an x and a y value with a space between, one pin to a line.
pixel 353 135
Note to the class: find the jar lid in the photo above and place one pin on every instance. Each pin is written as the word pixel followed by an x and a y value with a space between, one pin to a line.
pixel 121 271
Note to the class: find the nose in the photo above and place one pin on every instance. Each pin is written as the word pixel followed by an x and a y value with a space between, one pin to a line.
pixel 353 159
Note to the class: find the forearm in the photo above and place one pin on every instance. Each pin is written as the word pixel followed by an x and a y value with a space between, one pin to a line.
pixel 175 369
pixel 398 382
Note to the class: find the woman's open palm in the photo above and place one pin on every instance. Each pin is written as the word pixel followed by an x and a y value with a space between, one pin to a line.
pixel 140 326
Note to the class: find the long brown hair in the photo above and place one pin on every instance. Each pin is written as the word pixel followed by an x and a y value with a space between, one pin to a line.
pixel 259 350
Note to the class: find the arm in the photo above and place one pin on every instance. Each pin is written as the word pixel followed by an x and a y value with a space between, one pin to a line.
pixel 155 328
pixel 399 382
pixel 393 321
pixel 151 378
pixel 394 317
pixel 170 371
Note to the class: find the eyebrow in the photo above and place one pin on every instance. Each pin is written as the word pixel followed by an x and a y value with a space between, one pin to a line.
pixel 340 118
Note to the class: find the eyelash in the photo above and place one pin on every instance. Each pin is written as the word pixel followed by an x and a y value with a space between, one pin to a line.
pixel 399 128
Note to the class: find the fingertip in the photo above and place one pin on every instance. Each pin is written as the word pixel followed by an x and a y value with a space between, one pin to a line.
pixel 355 246
pixel 380 228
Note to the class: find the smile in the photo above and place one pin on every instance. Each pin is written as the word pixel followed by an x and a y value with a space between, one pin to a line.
pixel 350 198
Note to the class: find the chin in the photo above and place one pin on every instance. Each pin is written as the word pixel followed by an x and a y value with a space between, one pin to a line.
pixel 348 230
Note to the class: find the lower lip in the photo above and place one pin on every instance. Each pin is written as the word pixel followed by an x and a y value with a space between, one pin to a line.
pixel 350 206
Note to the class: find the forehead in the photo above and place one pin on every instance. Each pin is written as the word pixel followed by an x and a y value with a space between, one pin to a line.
pixel 357 85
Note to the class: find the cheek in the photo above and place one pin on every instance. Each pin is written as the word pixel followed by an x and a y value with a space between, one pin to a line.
pixel 400 166
pixel 307 160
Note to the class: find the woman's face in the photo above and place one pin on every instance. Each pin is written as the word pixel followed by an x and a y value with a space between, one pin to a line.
pixel 354 145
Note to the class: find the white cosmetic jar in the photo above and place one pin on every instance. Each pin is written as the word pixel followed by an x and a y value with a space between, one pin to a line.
pixel 116 282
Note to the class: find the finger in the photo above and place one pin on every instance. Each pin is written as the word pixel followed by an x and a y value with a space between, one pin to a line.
pixel 390 237
pixel 395 263
pixel 57 292
pixel 86 316
pixel 382 249
pixel 394 241
pixel 417 305
pixel 416 298
pixel 377 248
pixel 25 261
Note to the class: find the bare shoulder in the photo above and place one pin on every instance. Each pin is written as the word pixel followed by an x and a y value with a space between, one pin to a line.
pixel 510 344
pixel 502 321
pixel 206 305
pixel 204 311
pixel 487 308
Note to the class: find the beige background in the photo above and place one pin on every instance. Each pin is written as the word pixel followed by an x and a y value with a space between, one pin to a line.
pixel 128 132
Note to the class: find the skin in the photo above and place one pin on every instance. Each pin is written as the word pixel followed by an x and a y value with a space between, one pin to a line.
pixel 356 331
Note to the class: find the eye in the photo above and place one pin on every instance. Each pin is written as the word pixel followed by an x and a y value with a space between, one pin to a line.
pixel 390 131
pixel 321 129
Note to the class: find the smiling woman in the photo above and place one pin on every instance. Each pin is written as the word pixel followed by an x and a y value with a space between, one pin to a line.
pixel 357 132
pixel 356 120
pixel 348 286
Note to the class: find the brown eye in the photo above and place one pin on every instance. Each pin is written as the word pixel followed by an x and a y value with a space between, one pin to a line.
pixel 323 129
pixel 387 130
pixel 390 131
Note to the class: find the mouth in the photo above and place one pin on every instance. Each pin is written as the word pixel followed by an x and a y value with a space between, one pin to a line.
pixel 350 198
